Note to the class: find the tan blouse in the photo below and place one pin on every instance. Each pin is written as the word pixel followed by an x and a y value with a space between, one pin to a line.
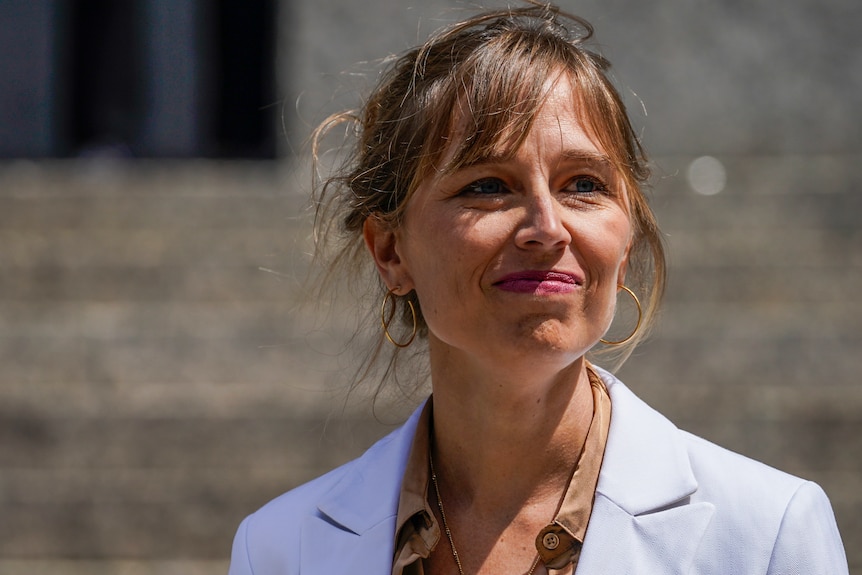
pixel 558 544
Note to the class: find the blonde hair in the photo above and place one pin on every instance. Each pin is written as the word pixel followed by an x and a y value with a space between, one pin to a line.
pixel 497 65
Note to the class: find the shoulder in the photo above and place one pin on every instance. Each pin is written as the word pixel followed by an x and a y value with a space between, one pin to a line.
pixel 269 538
pixel 747 493
pixel 759 507
pixel 721 472
pixel 707 471
pixel 759 515
pixel 353 498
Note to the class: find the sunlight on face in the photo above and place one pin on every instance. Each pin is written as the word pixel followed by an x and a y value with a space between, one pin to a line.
pixel 520 253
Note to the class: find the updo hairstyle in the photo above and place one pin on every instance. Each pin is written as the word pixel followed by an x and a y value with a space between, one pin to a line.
pixel 495 68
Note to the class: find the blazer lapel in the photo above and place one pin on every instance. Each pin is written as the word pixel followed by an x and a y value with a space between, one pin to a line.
pixel 642 519
pixel 327 549
pixel 356 524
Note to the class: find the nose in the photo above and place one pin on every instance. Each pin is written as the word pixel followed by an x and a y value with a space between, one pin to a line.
pixel 542 225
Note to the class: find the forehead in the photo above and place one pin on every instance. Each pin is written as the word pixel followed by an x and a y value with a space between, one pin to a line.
pixel 562 116
pixel 556 117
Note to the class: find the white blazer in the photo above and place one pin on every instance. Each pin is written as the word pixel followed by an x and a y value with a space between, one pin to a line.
pixel 667 502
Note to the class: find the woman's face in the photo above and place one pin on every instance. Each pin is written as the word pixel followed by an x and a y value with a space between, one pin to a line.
pixel 516 257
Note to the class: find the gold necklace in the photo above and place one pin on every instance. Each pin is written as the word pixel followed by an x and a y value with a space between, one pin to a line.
pixel 446 525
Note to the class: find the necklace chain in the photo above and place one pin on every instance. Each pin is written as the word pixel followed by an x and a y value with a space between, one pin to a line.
pixel 449 532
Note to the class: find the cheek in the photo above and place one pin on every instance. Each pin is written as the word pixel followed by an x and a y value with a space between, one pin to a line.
pixel 447 265
pixel 621 230
pixel 608 245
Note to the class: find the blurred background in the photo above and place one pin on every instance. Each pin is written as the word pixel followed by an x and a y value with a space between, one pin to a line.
pixel 158 380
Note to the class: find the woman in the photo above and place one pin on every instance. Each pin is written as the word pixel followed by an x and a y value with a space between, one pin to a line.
pixel 496 185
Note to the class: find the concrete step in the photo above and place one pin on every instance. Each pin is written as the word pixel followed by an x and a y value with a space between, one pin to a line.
pixel 298 442
pixel 791 362
pixel 153 284
pixel 265 205
pixel 55 248
pixel 715 319
pixel 157 385
pixel 803 287
pixel 81 362
pixel 161 319
pixel 791 247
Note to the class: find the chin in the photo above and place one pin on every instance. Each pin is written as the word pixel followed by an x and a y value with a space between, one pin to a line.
pixel 550 338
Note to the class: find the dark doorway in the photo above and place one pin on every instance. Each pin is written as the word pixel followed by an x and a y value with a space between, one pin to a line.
pixel 161 78
pixel 245 110
pixel 104 77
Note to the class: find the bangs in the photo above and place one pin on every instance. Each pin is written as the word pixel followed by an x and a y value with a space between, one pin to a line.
pixel 471 94
pixel 492 97
pixel 501 91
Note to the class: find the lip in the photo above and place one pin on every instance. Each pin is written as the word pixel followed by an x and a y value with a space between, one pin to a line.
pixel 539 282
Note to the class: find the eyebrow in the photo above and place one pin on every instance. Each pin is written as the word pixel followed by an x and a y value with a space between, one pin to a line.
pixel 601 160
pixel 592 157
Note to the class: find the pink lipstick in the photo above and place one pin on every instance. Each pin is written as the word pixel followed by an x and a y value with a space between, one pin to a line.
pixel 539 282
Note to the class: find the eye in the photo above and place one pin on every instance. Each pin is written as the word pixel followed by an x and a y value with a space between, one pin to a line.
pixel 586 185
pixel 485 187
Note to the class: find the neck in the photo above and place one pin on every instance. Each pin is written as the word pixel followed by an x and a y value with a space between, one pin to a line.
pixel 507 439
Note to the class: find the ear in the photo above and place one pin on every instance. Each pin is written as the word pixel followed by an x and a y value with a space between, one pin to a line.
pixel 382 241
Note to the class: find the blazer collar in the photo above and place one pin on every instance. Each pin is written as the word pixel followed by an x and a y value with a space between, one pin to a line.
pixel 646 464
pixel 356 525
pixel 643 520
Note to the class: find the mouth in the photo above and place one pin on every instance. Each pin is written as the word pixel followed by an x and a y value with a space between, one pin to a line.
pixel 539 282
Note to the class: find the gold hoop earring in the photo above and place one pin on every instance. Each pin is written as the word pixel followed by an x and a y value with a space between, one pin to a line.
pixel 390 295
pixel 640 317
